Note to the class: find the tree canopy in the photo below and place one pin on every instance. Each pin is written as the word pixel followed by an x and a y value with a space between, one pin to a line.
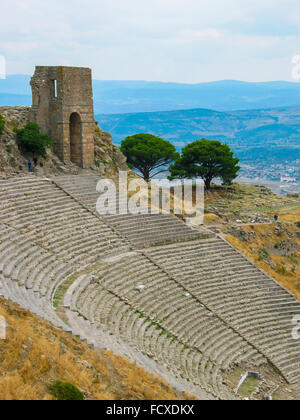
pixel 33 141
pixel 2 124
pixel 148 154
pixel 207 159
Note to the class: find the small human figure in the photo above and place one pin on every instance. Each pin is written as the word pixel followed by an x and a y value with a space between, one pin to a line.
pixel 35 161
pixel 29 166
pixel 276 218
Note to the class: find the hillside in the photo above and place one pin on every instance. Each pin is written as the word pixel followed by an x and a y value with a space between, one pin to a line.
pixel 179 302
pixel 35 354
pixel 176 301
pixel 266 141
pixel 108 158
pixel 244 115
pixel 245 217
pixel 274 130
pixel 112 97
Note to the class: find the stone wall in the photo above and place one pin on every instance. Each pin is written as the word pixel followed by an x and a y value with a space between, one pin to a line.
pixel 62 104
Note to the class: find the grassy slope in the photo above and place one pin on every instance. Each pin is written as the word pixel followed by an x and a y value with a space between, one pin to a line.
pixel 262 251
pixel 274 247
pixel 35 354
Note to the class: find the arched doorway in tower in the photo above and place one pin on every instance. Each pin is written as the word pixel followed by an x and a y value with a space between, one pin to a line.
pixel 75 139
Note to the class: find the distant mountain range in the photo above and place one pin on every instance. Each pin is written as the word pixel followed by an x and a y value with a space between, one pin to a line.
pixel 259 120
pixel 138 96
pixel 271 134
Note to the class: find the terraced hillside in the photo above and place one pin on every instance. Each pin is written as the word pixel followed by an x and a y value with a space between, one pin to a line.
pixel 141 230
pixel 35 354
pixel 197 311
pixel 244 297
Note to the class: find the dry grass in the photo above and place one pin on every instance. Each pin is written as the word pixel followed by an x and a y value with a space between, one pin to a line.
pixel 290 213
pixel 244 202
pixel 35 354
pixel 225 205
pixel 212 219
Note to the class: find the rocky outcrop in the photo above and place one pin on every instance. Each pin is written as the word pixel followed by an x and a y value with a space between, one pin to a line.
pixel 15 115
pixel 108 158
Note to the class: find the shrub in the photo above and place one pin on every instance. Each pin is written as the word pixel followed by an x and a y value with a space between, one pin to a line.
pixel 297 224
pixel 281 269
pixel 32 140
pixel 13 125
pixel 265 252
pixel 63 391
pixel 2 124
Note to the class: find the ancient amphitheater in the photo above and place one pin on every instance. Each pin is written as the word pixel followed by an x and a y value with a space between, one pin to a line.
pixel 181 302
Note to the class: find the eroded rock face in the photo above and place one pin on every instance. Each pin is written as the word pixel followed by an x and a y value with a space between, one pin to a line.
pixel 108 158
pixel 11 160
pixel 15 115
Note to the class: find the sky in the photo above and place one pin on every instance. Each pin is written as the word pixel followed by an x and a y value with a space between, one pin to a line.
pixel 187 41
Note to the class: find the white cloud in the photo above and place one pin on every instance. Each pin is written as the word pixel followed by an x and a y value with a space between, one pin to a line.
pixel 193 36
pixel 206 33
pixel 169 40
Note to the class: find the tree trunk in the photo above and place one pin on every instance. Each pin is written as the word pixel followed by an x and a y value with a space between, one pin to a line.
pixel 207 183
pixel 146 175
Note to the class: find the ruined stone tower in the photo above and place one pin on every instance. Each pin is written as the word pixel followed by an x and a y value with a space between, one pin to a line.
pixel 62 105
